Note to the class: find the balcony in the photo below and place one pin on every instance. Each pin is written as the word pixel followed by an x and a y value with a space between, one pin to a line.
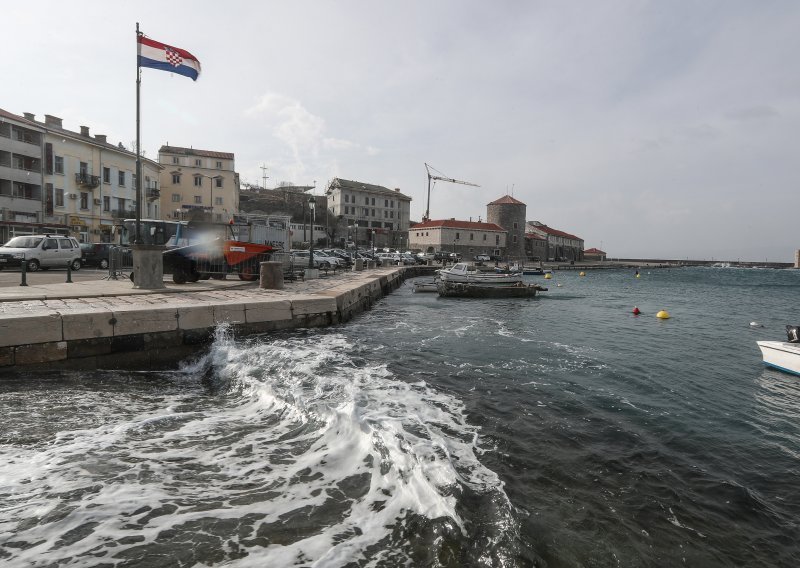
pixel 152 193
pixel 86 180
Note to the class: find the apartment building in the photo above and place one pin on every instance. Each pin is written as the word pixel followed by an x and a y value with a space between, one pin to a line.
pixel 467 238
pixel 384 212
pixel 74 183
pixel 198 184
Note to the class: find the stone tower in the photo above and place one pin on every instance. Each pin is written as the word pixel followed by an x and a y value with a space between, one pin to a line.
pixel 509 213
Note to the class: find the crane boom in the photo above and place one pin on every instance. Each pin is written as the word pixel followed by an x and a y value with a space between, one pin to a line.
pixel 440 178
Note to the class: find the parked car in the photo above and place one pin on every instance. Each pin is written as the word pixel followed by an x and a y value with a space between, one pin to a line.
pixel 482 258
pixel 41 251
pixel 300 259
pixel 96 254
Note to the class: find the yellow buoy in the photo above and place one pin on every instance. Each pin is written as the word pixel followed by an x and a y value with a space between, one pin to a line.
pixel 637 275
pixel 582 274
pixel 548 276
pixel 663 314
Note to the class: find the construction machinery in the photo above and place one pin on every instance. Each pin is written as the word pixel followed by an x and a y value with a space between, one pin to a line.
pixel 439 178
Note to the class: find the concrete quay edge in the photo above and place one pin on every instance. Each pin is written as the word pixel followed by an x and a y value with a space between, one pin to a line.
pixel 157 329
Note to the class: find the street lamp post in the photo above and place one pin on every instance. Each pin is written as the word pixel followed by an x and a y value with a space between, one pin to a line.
pixel 211 180
pixel 373 242
pixel 311 202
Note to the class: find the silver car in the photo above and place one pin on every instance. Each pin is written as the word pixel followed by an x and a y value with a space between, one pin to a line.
pixel 41 251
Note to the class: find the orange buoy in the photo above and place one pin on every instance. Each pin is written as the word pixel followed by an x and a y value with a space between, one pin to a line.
pixel 636 311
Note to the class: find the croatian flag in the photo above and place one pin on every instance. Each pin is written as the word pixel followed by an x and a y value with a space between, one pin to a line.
pixel 167 58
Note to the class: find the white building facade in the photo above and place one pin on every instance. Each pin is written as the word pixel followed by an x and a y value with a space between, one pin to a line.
pixel 198 182
pixel 86 183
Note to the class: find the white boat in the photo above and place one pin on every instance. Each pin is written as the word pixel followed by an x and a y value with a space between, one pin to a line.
pixel 781 355
pixel 460 272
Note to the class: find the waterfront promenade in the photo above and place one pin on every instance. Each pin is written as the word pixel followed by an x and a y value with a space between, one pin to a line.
pixel 109 324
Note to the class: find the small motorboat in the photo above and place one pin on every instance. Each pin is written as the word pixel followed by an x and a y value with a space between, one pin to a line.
pixel 783 355
pixel 460 272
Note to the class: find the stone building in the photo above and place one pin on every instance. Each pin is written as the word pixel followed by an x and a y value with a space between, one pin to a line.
pixel 468 238
pixel 561 246
pixel 594 254
pixel 57 180
pixel 198 182
pixel 535 247
pixel 371 212
pixel 509 213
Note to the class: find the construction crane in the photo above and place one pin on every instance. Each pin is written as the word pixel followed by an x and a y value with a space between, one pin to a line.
pixel 440 178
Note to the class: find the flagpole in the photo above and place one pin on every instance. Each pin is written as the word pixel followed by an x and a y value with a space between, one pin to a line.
pixel 138 236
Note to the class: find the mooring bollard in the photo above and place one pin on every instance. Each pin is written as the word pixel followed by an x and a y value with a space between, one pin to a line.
pixel 69 272
pixel 24 268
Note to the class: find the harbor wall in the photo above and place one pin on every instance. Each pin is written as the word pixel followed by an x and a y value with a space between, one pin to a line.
pixel 147 336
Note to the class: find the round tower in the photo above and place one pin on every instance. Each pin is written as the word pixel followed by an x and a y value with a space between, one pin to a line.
pixel 509 213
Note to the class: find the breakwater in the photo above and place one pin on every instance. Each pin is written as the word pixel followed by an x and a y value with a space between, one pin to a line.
pixel 157 330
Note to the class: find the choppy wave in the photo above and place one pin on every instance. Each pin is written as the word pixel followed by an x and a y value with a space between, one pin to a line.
pixel 293 451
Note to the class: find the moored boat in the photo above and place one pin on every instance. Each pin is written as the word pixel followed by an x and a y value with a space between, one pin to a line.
pixel 783 355
pixel 421 287
pixel 460 272
pixel 482 290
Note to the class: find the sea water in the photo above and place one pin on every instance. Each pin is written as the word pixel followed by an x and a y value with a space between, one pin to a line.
pixel 556 431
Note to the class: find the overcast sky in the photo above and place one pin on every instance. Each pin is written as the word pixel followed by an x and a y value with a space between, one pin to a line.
pixel 649 129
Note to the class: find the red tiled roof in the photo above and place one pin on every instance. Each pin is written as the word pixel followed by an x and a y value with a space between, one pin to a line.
pixel 506 200
pixel 453 224
pixel 556 232
pixel 195 152
pixel 594 251
pixel 534 236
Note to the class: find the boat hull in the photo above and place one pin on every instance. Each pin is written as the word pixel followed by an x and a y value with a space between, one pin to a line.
pixel 472 290
pixel 781 355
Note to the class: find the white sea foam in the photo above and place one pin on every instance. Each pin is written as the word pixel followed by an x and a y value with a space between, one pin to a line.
pixel 287 429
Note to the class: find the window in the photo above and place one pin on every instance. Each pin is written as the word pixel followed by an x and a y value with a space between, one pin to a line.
pixel 385 214
pixel 83 168
pixel 59 164
pixel 515 236
pixel 120 204
pixel 121 180
pixel 198 162
pixel 133 181
pixel 372 211
pixel 176 197
pixel 198 199
pixel 84 200
pixel 391 214
pixel 458 236
pixel 176 160
pixel 176 179
pixel 48 158
pixel 106 175
pixel 497 239
pixel 392 203
pixel 484 237
pixel 106 203
pixel 346 210
pixel 219 182
pixel 218 200
pixel 366 212
pixel 471 237
pixel 515 224
pixel 386 203
pixel 59 197
pixel 373 201
pixel 219 165
pixel 198 181
pixel 346 198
